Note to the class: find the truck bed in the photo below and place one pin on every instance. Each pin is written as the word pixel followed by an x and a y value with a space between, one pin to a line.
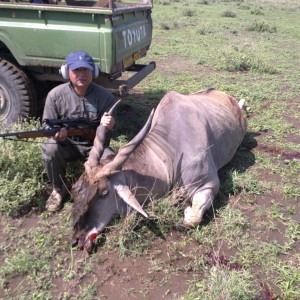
pixel 115 34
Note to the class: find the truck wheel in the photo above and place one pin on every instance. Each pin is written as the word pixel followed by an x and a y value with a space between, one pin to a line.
pixel 17 95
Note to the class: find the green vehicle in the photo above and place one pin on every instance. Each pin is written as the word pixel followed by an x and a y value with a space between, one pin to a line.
pixel 35 38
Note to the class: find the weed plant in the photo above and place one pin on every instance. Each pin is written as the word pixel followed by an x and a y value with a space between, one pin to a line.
pixel 262 27
pixel 228 14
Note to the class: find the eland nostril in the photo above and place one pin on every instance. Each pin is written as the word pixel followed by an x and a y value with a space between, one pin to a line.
pixel 81 242
pixel 88 246
pixel 74 242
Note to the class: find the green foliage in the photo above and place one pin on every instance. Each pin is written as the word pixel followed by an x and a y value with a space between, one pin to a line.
pixel 20 173
pixel 289 280
pixel 22 263
pixel 262 27
pixel 188 13
pixel 290 191
pixel 257 12
pixel 222 283
pixel 137 234
pixel 205 2
pixel 165 26
pixel 203 30
pixel 246 183
pixel 245 59
pixel 228 14
pixel 164 2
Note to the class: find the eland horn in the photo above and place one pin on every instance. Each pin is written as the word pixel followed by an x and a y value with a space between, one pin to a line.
pixel 98 147
pixel 125 193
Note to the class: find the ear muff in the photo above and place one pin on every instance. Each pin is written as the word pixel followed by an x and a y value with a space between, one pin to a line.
pixel 96 71
pixel 64 71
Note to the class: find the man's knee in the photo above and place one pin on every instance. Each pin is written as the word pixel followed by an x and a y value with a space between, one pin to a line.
pixel 50 149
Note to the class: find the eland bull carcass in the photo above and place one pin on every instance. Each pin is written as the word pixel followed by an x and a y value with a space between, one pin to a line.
pixel 183 144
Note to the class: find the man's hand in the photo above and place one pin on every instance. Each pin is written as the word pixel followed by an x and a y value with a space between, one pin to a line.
pixel 107 121
pixel 61 135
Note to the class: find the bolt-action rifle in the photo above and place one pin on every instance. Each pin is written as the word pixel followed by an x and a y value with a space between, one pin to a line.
pixel 75 127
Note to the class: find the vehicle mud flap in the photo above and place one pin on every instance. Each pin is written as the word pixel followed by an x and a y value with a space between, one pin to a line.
pixel 142 72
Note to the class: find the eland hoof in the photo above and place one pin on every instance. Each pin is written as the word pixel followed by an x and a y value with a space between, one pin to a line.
pixel 191 218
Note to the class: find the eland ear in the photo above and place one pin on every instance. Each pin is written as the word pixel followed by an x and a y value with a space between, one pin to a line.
pixel 125 193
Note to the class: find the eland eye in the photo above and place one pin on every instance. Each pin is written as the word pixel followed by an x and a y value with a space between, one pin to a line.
pixel 104 193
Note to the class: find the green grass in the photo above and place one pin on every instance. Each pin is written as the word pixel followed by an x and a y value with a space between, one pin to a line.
pixel 248 244
pixel 222 283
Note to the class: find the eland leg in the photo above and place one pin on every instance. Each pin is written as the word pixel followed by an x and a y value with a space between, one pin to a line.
pixel 201 201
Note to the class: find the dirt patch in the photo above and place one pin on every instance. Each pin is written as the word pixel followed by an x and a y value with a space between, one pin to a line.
pixel 151 276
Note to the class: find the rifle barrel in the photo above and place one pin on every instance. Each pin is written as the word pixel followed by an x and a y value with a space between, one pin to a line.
pixel 85 132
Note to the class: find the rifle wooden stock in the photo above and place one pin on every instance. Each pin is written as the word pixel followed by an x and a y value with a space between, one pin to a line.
pixel 88 133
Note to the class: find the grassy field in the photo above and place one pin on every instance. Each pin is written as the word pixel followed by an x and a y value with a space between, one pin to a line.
pixel 248 246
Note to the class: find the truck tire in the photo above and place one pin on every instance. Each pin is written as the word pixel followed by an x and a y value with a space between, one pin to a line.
pixel 17 96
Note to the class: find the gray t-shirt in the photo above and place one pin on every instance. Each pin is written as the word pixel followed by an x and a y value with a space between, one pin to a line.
pixel 63 103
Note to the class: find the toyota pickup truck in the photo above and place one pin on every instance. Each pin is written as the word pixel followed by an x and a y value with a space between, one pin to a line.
pixel 36 37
